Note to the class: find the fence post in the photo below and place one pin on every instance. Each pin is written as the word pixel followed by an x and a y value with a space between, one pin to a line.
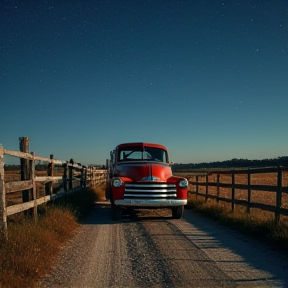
pixel 91 176
pixel 108 161
pixel 279 196
pixel 249 191
pixel 197 187
pixel 3 216
pixel 108 168
pixel 34 192
pixel 71 174
pixel 50 172
pixel 82 177
pixel 94 176
pixel 85 176
pixel 218 188
pixel 233 191
pixel 207 188
pixel 64 177
pixel 25 171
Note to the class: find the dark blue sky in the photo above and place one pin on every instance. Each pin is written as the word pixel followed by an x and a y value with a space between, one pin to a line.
pixel 208 79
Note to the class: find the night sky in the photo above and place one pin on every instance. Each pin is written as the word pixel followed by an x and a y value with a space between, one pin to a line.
pixel 208 79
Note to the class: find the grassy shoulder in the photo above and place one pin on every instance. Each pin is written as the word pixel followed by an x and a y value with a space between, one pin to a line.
pixel 257 224
pixel 33 246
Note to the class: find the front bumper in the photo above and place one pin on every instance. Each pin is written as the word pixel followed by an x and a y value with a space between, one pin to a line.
pixel 150 203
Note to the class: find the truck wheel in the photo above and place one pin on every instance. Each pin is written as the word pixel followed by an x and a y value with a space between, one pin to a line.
pixel 177 212
pixel 116 212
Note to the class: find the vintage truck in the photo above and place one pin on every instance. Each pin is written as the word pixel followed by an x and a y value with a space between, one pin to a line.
pixel 141 177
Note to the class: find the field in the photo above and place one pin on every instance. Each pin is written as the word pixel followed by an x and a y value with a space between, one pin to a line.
pixel 262 197
pixel 15 175
pixel 41 187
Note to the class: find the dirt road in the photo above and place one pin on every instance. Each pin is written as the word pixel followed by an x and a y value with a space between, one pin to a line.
pixel 153 250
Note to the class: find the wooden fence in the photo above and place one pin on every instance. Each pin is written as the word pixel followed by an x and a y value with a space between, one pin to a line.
pixel 208 184
pixel 73 177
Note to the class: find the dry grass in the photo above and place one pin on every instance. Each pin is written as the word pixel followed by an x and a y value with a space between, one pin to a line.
pixel 99 191
pixel 32 247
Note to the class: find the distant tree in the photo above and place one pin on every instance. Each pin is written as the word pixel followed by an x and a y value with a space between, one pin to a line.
pixel 233 163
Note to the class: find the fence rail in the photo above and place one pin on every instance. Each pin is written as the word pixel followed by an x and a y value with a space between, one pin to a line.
pixel 74 176
pixel 212 189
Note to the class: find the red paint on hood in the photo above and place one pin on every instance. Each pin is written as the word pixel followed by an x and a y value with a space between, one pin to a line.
pixel 144 171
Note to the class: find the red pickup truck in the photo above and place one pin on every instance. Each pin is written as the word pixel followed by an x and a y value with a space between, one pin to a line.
pixel 141 177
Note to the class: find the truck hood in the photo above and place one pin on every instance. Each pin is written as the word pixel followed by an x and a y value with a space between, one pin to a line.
pixel 147 171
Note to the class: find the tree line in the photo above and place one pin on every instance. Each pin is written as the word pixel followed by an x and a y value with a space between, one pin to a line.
pixel 233 163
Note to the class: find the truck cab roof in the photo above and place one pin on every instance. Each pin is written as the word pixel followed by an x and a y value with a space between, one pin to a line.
pixel 141 144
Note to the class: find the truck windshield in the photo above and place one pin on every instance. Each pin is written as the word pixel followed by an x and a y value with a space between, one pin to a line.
pixel 137 153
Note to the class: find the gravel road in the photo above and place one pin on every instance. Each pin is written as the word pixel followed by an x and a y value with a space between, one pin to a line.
pixel 151 249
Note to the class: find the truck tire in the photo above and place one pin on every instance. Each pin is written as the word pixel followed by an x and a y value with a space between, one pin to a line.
pixel 116 212
pixel 177 212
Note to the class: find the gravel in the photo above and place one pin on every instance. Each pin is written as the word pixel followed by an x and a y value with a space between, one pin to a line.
pixel 150 249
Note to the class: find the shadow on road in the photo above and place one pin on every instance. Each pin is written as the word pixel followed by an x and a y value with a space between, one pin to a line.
pixel 101 214
pixel 212 236
pixel 226 247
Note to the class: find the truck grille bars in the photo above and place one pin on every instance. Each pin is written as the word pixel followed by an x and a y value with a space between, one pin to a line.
pixel 150 191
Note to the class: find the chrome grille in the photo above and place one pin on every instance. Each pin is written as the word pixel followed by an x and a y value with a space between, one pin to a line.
pixel 150 191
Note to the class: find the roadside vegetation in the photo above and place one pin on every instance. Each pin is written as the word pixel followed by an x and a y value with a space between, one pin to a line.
pixel 258 224
pixel 33 246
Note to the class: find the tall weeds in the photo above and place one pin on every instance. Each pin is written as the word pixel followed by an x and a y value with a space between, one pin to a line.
pixel 33 246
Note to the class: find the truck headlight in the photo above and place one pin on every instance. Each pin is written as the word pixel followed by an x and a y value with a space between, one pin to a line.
pixel 183 183
pixel 117 182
